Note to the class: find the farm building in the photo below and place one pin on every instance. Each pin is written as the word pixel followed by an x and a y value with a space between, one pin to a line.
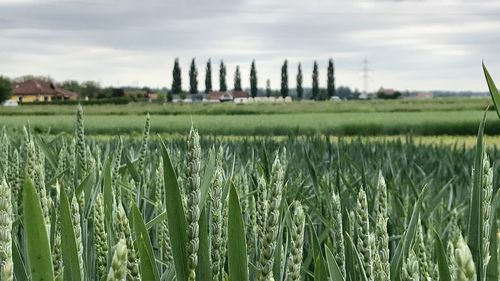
pixel 38 90
pixel 236 96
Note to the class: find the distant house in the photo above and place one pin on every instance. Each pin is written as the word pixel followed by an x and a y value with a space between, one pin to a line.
pixel 240 96
pixel 152 96
pixel 423 95
pixel 236 96
pixel 38 90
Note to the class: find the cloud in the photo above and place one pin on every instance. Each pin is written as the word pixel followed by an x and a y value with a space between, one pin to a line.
pixel 411 44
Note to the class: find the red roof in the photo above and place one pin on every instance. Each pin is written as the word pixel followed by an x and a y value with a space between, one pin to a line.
pixel 217 95
pixel 240 94
pixel 39 87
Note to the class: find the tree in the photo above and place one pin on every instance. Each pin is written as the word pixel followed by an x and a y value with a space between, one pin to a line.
pixel 284 79
pixel 268 88
pixel 237 79
pixel 176 82
pixel 193 78
pixel 346 93
pixel 118 92
pixel 5 89
pixel 91 89
pixel 300 90
pixel 331 79
pixel 71 85
pixel 253 80
pixel 315 84
pixel 208 77
pixel 222 77
pixel 388 94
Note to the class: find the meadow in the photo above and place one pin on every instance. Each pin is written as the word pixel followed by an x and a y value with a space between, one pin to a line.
pixel 305 106
pixel 369 123
pixel 391 117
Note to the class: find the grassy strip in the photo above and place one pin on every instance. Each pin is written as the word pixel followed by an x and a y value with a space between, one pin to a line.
pixel 455 104
pixel 371 123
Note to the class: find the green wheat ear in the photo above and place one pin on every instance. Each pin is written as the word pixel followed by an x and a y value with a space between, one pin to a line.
pixel 7 272
pixel 216 224
pixel 466 269
pixel 297 242
pixel 100 237
pixel 272 220
pixel 338 234
pixel 76 218
pixel 118 267
pixel 193 194
pixel 365 239
pixel 124 232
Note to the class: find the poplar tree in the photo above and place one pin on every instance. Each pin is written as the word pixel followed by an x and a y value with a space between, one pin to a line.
pixel 253 80
pixel 237 79
pixel 284 79
pixel 176 74
pixel 315 84
pixel 208 77
pixel 300 90
pixel 222 77
pixel 193 78
pixel 331 79
pixel 268 88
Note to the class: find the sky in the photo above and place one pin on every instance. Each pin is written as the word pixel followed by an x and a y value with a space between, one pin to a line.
pixel 409 45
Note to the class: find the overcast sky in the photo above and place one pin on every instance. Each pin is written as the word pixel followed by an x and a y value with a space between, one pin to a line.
pixel 419 45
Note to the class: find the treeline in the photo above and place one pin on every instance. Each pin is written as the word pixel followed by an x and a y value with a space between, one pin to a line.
pixel 313 92
pixel 93 90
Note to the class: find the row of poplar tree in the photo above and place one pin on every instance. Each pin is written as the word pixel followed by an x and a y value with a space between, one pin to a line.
pixel 193 80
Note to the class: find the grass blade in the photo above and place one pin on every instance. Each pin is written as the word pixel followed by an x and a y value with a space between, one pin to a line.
pixel 108 201
pixel 357 258
pixel 493 90
pixel 333 267
pixel 475 225
pixel 20 272
pixel 68 241
pixel 443 268
pixel 203 271
pixel 406 241
pixel 205 180
pixel 176 219
pixel 237 250
pixel 37 240
pixel 146 256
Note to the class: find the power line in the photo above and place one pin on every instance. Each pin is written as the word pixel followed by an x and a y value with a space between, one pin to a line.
pixel 365 75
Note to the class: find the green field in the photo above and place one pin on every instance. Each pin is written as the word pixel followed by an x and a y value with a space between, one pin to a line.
pixel 448 104
pixel 417 117
pixel 111 195
pixel 370 123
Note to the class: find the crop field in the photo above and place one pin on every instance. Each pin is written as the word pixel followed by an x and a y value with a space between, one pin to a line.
pixel 401 105
pixel 350 118
pixel 75 207
pixel 370 123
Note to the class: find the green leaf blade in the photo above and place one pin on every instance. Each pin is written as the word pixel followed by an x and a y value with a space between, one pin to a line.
pixel 68 241
pixel 146 255
pixel 176 218
pixel 237 250
pixel 37 240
